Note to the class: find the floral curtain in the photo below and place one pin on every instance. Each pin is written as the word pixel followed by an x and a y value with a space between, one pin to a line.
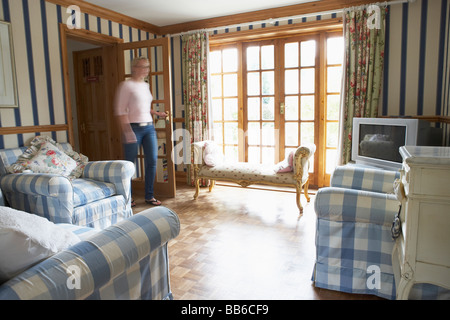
pixel 364 35
pixel 195 83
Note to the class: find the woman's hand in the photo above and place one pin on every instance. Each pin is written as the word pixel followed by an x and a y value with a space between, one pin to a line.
pixel 130 137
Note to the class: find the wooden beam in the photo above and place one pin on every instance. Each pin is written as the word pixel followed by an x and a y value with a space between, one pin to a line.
pixel 289 30
pixel 89 36
pixel 33 129
pixel 431 118
pixel 266 14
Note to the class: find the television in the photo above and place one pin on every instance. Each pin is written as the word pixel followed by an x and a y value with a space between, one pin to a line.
pixel 376 141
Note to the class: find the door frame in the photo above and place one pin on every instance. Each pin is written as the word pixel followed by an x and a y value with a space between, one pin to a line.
pixel 108 43
pixel 161 188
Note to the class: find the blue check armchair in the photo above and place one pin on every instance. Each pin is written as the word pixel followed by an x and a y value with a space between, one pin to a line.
pixel 126 261
pixel 98 199
pixel 354 239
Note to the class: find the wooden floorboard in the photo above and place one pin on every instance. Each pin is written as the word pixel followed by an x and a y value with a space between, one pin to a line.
pixel 243 243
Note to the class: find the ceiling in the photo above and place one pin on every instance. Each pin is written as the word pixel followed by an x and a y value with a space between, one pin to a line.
pixel 169 12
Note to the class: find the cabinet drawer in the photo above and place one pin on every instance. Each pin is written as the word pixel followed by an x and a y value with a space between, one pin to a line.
pixel 433 236
pixel 426 181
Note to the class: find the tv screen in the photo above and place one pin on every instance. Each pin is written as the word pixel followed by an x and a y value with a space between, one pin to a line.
pixel 381 141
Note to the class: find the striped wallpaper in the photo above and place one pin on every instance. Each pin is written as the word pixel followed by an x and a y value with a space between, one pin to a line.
pixel 416 59
pixel 35 30
pixel 416 78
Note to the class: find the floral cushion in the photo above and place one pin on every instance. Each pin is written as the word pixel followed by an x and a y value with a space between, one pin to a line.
pixel 46 156
pixel 49 159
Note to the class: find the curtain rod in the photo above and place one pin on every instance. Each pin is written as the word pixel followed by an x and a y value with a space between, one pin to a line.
pixel 273 21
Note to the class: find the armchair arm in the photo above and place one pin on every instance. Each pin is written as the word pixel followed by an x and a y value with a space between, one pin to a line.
pixel 109 254
pixel 301 161
pixel 118 172
pixel 359 178
pixel 49 185
pixel 47 195
pixel 339 204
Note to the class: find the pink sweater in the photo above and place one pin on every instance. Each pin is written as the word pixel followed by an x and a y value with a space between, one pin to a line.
pixel 134 99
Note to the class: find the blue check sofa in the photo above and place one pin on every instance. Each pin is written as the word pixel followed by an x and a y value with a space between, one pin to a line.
pixel 126 261
pixel 354 238
pixel 99 198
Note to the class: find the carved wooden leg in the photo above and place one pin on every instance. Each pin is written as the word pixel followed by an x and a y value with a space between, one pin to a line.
pixel 197 187
pixel 212 183
pixel 298 189
pixel 305 190
pixel 404 287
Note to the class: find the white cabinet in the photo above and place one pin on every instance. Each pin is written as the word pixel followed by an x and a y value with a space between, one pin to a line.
pixel 422 251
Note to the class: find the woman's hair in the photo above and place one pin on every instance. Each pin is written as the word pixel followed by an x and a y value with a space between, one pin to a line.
pixel 137 59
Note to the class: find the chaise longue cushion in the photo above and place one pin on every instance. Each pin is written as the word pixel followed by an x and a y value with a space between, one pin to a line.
pixel 247 172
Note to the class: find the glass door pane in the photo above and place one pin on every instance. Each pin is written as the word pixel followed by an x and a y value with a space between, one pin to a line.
pixel 260 103
pixel 334 57
pixel 224 94
pixel 299 93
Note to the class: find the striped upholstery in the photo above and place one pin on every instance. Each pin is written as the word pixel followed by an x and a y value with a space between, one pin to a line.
pixel 99 198
pixel 8 157
pixel 362 178
pixel 353 234
pixel 128 260
pixel 86 191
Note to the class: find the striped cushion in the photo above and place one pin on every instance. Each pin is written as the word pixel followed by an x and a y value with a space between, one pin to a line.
pixel 87 190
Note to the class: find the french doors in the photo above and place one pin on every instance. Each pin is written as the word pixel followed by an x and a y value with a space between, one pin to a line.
pixel 158 53
pixel 271 96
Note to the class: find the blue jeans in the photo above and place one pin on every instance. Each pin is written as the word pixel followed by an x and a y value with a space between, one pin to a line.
pixel 145 135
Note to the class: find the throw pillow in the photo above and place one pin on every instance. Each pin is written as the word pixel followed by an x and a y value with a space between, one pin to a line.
pixel 213 156
pixel 34 160
pixel 26 239
pixel 287 165
pixel 49 159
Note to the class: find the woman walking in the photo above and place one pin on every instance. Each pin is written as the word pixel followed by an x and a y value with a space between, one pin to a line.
pixel 133 108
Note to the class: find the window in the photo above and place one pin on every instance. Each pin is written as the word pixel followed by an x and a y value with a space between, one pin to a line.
pixel 271 96
pixel 335 53
pixel 224 92
pixel 260 103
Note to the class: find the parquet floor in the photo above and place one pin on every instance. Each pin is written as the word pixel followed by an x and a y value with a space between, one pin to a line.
pixel 242 243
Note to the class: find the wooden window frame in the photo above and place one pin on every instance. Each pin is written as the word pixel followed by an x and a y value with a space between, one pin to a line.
pixel 321 29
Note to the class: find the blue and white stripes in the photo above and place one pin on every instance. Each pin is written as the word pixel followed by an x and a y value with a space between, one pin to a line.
pixel 353 235
pixel 416 61
pixel 126 261
pixel 37 52
pixel 416 57
pixel 99 198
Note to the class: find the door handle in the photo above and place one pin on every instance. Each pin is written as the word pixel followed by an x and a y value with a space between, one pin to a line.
pixel 282 108
pixel 169 117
